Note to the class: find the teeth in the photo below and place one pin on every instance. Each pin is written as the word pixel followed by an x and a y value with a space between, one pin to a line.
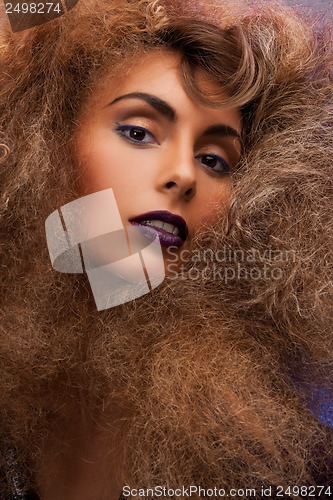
pixel 157 223
pixel 169 228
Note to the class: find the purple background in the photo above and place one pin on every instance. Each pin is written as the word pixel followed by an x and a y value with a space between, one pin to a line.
pixel 319 6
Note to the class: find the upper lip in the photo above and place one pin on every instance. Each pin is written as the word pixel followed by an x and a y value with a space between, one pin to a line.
pixel 165 216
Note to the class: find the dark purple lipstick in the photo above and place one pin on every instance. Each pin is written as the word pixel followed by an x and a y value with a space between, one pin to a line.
pixel 170 228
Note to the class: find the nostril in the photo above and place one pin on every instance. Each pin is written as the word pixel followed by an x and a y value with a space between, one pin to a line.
pixel 170 184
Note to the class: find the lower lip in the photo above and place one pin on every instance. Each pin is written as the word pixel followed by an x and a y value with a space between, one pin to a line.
pixel 166 239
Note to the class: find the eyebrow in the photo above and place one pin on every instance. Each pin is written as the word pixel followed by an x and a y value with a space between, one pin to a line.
pixel 222 130
pixel 163 108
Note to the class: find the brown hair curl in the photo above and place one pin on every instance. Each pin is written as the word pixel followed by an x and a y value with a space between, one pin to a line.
pixel 274 335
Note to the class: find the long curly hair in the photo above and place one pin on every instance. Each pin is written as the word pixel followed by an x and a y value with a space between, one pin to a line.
pixel 217 369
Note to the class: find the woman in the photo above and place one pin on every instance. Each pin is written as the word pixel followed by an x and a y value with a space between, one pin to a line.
pixel 222 116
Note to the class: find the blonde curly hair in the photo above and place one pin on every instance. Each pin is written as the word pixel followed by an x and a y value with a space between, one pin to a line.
pixel 252 352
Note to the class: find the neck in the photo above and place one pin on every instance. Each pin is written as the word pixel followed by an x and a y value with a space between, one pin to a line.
pixel 88 467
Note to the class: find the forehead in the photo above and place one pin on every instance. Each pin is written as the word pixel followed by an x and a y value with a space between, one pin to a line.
pixel 165 64
pixel 158 72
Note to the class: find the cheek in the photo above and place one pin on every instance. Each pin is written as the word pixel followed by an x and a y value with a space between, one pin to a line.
pixel 98 175
pixel 212 200
pixel 102 166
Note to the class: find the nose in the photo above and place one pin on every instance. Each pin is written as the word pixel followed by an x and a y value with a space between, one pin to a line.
pixel 177 175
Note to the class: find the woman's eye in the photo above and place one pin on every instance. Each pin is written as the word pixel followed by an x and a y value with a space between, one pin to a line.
pixel 215 163
pixel 138 135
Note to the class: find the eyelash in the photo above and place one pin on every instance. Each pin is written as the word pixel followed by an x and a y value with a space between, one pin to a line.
pixel 122 129
pixel 225 169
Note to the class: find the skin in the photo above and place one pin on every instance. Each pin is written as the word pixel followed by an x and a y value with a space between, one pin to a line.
pixel 158 157
pixel 87 472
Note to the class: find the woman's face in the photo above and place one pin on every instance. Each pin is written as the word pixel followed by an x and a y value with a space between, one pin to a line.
pixel 163 154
